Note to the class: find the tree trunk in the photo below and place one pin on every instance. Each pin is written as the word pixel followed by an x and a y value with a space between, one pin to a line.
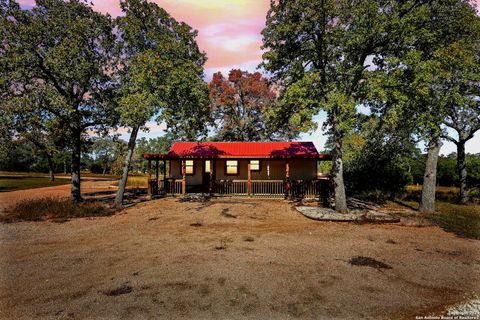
pixel 75 195
pixel 123 180
pixel 462 171
pixel 64 166
pixel 337 171
pixel 427 204
pixel 50 166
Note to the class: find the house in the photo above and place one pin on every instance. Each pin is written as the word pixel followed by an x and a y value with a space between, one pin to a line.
pixel 260 169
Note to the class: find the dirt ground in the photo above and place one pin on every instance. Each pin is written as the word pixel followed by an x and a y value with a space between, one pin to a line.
pixel 235 259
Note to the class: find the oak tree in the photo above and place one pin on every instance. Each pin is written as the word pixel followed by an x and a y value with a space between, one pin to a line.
pixel 160 75
pixel 319 52
pixel 63 48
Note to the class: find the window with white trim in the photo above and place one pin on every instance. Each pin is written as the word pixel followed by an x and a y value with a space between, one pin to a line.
pixel 231 167
pixel 254 165
pixel 189 167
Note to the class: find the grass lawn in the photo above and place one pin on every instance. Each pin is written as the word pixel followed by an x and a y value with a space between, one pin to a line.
pixel 22 182
pixel 12 181
pixel 463 220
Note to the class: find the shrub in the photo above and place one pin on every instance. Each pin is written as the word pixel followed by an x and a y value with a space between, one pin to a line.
pixel 96 168
pixel 55 209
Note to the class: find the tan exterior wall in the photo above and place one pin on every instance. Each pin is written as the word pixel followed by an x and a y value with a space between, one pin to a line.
pixel 299 170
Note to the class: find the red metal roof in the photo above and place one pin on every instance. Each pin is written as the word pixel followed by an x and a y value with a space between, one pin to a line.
pixel 234 150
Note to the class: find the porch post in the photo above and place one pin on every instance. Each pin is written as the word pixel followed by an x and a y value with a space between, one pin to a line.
pixel 164 169
pixel 163 183
pixel 149 189
pixel 287 179
pixel 210 187
pixel 184 178
pixel 249 182
pixel 156 175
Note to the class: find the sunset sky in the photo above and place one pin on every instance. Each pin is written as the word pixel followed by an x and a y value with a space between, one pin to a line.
pixel 229 32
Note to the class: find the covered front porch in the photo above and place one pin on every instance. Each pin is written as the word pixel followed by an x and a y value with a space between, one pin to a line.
pixel 256 178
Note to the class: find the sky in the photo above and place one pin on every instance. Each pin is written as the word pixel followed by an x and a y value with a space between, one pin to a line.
pixel 229 31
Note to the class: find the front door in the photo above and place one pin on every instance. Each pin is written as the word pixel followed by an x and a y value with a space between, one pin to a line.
pixel 206 176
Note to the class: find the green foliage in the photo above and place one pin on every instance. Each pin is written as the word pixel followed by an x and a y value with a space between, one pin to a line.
pixel 376 160
pixel 431 71
pixel 153 145
pixel 446 170
pixel 161 71
pixel 473 169
pixel 55 66
pixel 103 152
pixel 45 56
pixel 317 51
pixel 22 155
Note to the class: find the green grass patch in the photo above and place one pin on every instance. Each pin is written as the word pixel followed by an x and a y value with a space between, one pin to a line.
pixel 55 209
pixel 22 182
pixel 463 220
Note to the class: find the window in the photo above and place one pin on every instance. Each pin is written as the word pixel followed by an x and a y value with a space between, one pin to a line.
pixel 189 168
pixel 254 165
pixel 231 167
pixel 207 166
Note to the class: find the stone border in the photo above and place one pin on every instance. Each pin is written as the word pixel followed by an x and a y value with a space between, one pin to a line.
pixel 327 214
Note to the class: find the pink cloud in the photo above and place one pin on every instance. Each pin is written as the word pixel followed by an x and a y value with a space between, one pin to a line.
pixel 229 31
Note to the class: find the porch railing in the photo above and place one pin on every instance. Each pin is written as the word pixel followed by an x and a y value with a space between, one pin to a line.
pixel 310 189
pixel 257 188
pixel 307 189
pixel 231 187
pixel 268 188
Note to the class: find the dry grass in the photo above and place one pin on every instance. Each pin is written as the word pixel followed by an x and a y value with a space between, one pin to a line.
pixel 55 209
pixel 138 181
pixel 449 194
